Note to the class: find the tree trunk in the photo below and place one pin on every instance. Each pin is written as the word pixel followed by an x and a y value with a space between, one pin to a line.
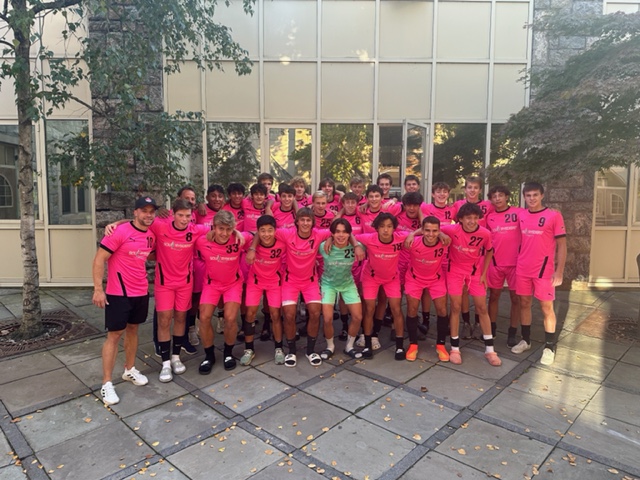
pixel 31 325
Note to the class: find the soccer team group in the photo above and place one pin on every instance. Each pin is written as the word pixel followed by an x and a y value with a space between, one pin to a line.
pixel 356 253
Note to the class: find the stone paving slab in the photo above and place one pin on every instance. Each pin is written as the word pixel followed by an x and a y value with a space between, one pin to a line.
pixel 436 465
pixel 613 403
pixel 625 377
pixel 90 371
pixel 5 313
pixel 474 363
pixel 167 425
pixel 81 351
pixel 195 378
pixel 135 399
pixel 302 373
pixel 95 454
pixel 5 448
pixel 363 449
pixel 18 396
pixel 556 386
pixel 27 366
pixel 297 417
pixel 64 421
pixel 580 364
pixel 76 296
pixel 495 450
pixel 450 385
pixel 563 465
pixel 531 413
pixel 632 356
pixel 592 345
pixel 409 415
pixel 384 365
pixel 161 470
pixel 12 472
pixel 233 454
pixel 288 468
pixel 348 390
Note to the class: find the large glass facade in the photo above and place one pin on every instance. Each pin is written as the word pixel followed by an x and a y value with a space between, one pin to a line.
pixel 9 193
pixel 233 153
pixel 346 151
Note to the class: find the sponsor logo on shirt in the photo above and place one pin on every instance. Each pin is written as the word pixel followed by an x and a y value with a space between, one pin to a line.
pixel 139 254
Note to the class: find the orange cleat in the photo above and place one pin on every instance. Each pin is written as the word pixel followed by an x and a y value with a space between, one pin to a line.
pixel 412 353
pixel 443 355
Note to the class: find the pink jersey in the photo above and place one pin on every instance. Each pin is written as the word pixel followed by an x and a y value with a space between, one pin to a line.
pixel 405 223
pixel 325 220
pixel 485 205
pixel 251 215
pixel 538 246
pixel 208 218
pixel 126 272
pixel 367 219
pixel 301 253
pixel 426 261
pixel 505 234
pixel 334 205
pixel 283 219
pixel 304 201
pixel 467 249
pixel 444 214
pixel 222 262
pixel 266 267
pixel 355 221
pixel 238 213
pixel 174 252
pixel 382 258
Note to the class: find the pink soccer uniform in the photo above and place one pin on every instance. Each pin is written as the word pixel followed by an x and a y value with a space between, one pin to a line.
pixel 265 275
pixel 324 221
pixel 466 258
pixel 304 201
pixel 367 219
pixel 485 205
pixel 129 248
pixel 425 269
pixel 444 214
pixel 238 214
pixel 251 215
pixel 301 275
pixel 405 224
pixel 355 221
pixel 206 219
pixel 381 266
pixel 505 235
pixel 284 219
pixel 334 205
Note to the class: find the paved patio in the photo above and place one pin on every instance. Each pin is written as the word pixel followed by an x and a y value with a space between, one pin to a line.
pixel 577 419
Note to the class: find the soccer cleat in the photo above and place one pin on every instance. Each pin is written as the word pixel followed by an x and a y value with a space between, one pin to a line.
pixel 412 353
pixel 443 355
pixel 135 377
pixel 247 356
pixel 466 331
pixel 455 357
pixel 521 347
pixel 165 375
pixel 177 366
pixel 109 395
pixel 493 359
pixel 548 356
pixel 193 336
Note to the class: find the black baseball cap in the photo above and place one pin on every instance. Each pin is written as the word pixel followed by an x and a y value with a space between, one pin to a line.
pixel 144 201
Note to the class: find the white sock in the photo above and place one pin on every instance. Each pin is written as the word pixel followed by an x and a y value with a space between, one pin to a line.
pixel 166 364
pixel 175 357
pixel 330 345
pixel 350 341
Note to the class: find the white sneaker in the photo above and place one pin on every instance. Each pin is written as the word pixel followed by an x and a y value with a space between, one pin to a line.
pixel 177 366
pixel 109 395
pixel 165 375
pixel 247 356
pixel 193 336
pixel 360 341
pixel 548 356
pixel 521 347
pixel 135 377
pixel 220 325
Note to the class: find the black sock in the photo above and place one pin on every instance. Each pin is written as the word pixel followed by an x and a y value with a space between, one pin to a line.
pixel 345 321
pixel 177 344
pixel 526 333
pixel 550 341
pixel 191 320
pixel 465 317
pixel 249 346
pixel 443 330
pixel 311 344
pixel 165 348
pixel 494 328
pixel 367 342
pixel 476 318
pixel 292 345
pixel 243 318
pixel 228 350
pixel 377 325
pixel 488 342
pixel 425 318
pixel 210 353
pixel 412 328
pixel 512 331
pixel 400 343
pixel 278 344
pixel 455 342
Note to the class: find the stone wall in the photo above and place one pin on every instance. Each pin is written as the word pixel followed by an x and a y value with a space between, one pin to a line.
pixel 573 196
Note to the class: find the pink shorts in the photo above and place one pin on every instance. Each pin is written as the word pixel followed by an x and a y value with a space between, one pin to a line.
pixel 497 275
pixel 370 287
pixel 356 271
pixel 403 265
pixel 232 292
pixel 254 292
pixel 291 290
pixel 173 298
pixel 199 274
pixel 541 288
pixel 456 282
pixel 436 287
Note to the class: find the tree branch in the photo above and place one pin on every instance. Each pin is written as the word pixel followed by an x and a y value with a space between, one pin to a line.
pixel 83 103
pixel 55 5
pixel 5 9
pixel 4 42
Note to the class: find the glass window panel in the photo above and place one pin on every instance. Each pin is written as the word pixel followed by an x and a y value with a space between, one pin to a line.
pixel 348 29
pixel 8 107
pixel 346 151
pixel 290 90
pixel 190 157
pixel 232 96
pixel 233 153
pixel 416 147
pixel 499 156
pixel 611 197
pixel 406 29
pixel 511 34
pixel 621 7
pixel 390 154
pixel 458 152
pixel 290 153
pixel 347 90
pixel 10 203
pixel 244 28
pixel 68 205
pixel 290 29
pixel 404 91
pixel 463 30
pixel 509 93
pixel 461 92
pixel 183 89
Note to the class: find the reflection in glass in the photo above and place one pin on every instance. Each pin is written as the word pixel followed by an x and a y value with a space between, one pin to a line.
pixel 233 153
pixel 458 152
pixel 9 194
pixel 499 156
pixel 390 154
pixel 416 143
pixel 347 151
pixel 611 197
pixel 290 152
pixel 68 204
pixel 190 158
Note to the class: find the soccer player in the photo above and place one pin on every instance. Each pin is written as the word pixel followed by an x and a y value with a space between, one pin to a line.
pixel 303 199
pixel 221 250
pixel 283 211
pixel 265 277
pixel 267 180
pixel 537 272
pixel 385 182
pixel 235 192
pixel 337 278
pixel 470 253
pixel 126 301
pixel 411 184
pixel 254 206
pixel 323 216
pixel 425 274
pixel 439 207
pixel 328 186
pixel 504 225
pixel 371 209
pixel 357 186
